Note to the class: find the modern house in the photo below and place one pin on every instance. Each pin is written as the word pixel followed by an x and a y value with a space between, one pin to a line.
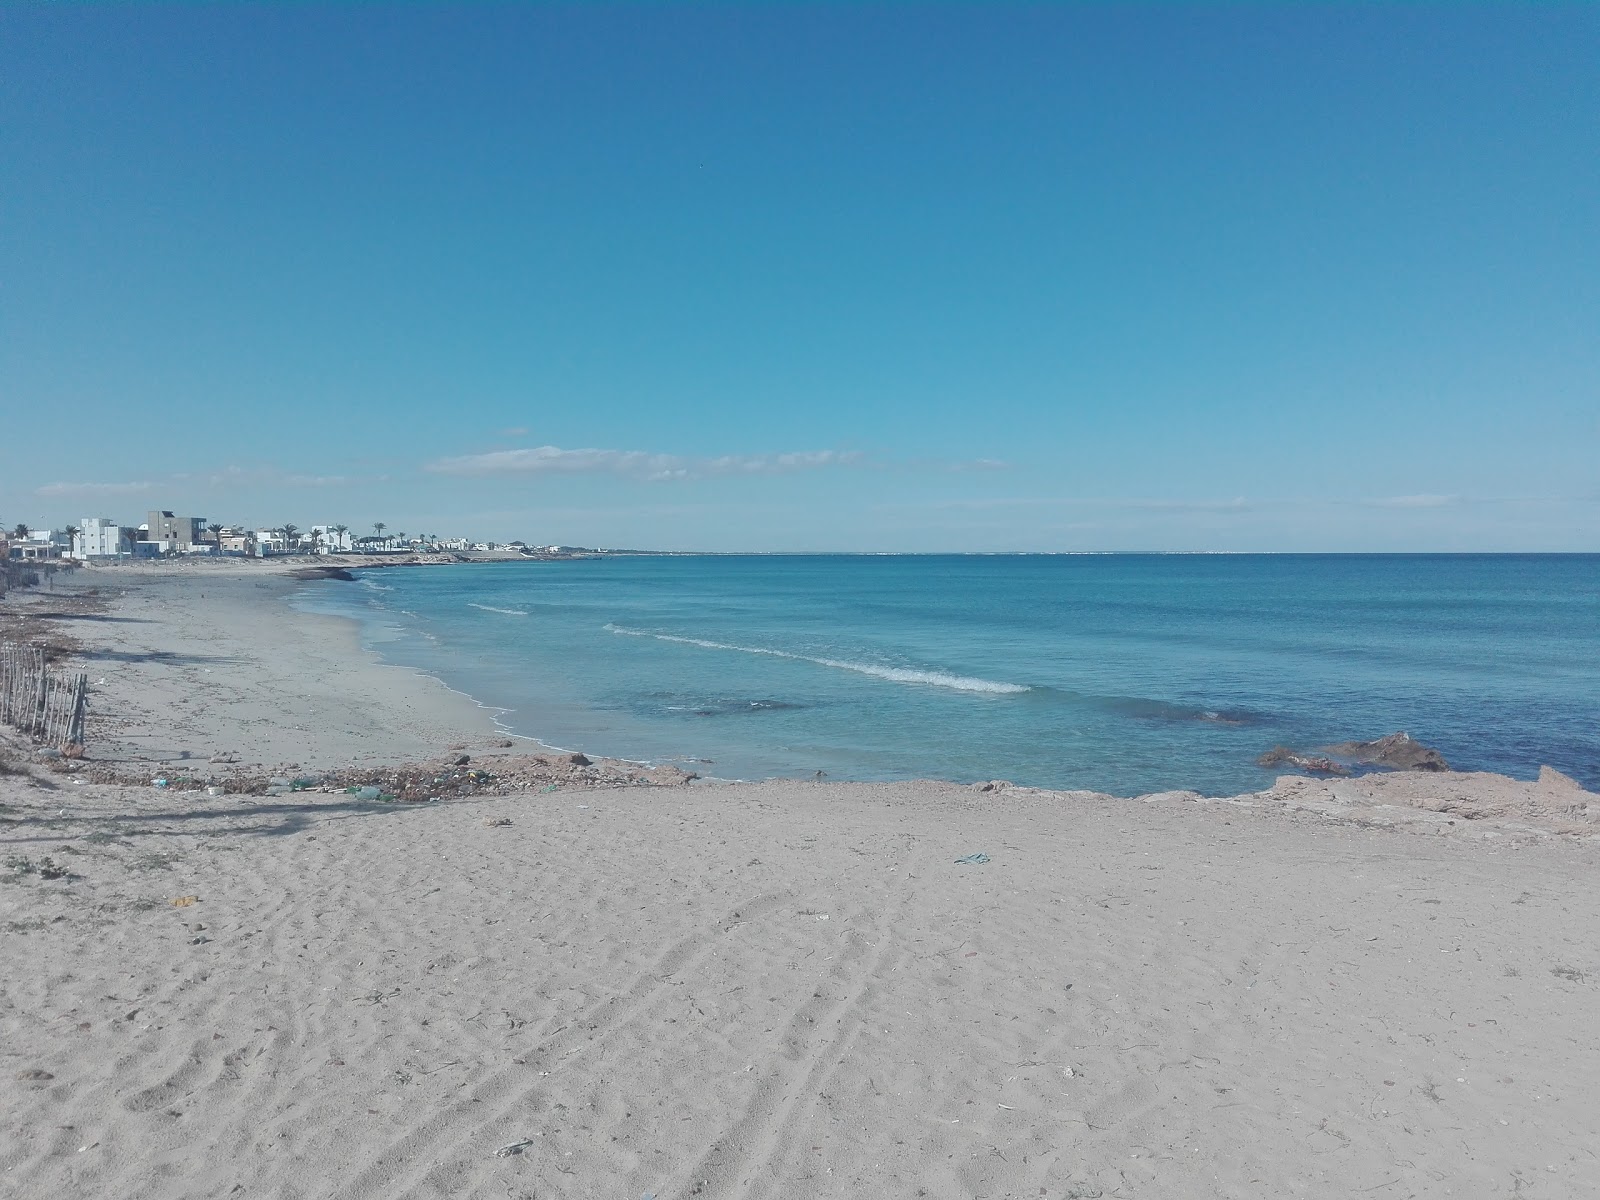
pixel 39 546
pixel 271 541
pixel 334 540
pixel 99 538
pixel 181 532
pixel 238 541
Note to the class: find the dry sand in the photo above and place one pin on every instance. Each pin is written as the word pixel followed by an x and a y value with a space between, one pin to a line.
pixel 1379 988
pixel 200 658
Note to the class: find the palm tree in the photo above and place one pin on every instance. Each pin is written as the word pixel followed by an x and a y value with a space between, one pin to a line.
pixel 215 531
pixel 290 536
pixel 341 530
pixel 316 540
pixel 20 532
pixel 378 527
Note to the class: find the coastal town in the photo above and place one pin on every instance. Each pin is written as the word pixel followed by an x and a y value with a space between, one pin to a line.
pixel 165 534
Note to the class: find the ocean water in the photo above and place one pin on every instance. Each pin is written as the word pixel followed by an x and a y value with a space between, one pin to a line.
pixel 1122 673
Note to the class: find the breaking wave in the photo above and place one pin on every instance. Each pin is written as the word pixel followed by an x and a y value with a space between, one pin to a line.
pixel 510 612
pixel 960 683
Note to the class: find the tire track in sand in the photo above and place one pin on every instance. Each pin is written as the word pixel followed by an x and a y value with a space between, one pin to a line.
pixel 815 1045
pixel 467 1119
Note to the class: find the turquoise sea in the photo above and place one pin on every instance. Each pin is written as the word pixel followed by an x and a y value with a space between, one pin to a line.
pixel 1126 673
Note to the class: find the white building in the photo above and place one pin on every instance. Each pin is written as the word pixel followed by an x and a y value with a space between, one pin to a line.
pixel 334 540
pixel 99 537
pixel 271 541
pixel 49 537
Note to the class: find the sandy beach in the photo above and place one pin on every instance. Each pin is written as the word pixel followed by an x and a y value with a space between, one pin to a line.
pixel 583 980
pixel 195 659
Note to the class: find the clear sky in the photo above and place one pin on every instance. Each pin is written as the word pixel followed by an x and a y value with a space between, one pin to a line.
pixel 910 277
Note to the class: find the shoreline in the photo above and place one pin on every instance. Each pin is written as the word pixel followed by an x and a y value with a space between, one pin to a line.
pixel 182 669
pixel 298 691
pixel 518 974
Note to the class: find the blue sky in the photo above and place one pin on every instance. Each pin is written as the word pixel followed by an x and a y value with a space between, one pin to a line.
pixel 809 277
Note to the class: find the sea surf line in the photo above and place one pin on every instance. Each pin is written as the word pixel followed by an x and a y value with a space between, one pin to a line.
pixel 960 683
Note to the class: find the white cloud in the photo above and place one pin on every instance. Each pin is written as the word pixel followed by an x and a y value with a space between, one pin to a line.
pixel 1421 501
pixel 1237 504
pixel 635 464
pixel 267 476
pixel 968 464
pixel 92 489
pixel 1107 503
pixel 226 477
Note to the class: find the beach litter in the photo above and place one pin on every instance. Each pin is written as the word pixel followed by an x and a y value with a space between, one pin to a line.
pixel 491 822
pixel 158 783
pixel 514 1148
pixel 185 901
pixel 976 859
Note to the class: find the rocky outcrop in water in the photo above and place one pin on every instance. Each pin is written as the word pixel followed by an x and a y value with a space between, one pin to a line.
pixel 1397 751
pixel 326 572
pixel 1317 764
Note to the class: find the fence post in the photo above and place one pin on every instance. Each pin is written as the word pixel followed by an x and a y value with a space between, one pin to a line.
pixel 46 707
pixel 80 700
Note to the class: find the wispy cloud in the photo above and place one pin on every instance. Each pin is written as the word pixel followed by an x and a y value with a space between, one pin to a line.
pixel 237 476
pixel 635 464
pixel 1103 503
pixel 93 489
pixel 222 479
pixel 970 464
pixel 1425 500
pixel 1237 504
pixel 514 432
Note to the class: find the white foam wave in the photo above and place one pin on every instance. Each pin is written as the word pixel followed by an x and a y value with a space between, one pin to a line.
pixel 377 587
pixel 960 683
pixel 510 612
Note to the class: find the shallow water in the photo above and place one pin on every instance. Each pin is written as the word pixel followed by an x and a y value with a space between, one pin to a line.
pixel 1124 673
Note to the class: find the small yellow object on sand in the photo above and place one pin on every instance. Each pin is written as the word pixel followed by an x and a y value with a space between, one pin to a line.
pixel 184 901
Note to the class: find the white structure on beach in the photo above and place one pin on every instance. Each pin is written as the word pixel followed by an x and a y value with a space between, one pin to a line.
pixel 99 537
pixel 49 537
pixel 335 540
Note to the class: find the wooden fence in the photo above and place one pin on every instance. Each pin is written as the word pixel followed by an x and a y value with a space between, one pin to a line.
pixel 47 707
